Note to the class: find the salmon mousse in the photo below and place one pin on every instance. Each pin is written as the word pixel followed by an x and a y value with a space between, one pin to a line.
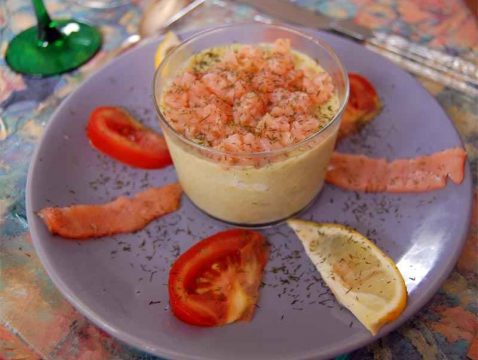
pixel 251 130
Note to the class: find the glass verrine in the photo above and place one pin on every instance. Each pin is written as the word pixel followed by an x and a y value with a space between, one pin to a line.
pixel 260 188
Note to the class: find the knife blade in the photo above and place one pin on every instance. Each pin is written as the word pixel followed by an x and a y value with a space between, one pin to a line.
pixel 449 70
pixel 294 14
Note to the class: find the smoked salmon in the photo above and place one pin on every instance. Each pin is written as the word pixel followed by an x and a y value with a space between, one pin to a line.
pixel 424 173
pixel 119 216
pixel 250 99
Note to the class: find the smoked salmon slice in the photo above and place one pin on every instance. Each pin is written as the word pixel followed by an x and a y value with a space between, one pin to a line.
pixel 357 172
pixel 119 216
pixel 424 173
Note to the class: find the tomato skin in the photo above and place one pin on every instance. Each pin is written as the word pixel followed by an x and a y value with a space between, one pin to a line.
pixel 209 310
pixel 362 94
pixel 362 106
pixel 116 133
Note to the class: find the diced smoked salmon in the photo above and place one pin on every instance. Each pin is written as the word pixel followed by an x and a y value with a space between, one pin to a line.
pixel 424 173
pixel 119 216
pixel 251 100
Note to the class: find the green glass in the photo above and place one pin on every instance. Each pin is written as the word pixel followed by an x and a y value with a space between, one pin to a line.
pixel 53 46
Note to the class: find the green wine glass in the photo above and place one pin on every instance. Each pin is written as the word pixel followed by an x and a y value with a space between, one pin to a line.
pixel 53 46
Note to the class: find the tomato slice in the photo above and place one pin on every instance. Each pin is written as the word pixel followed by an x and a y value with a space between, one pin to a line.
pixel 216 282
pixel 363 96
pixel 362 107
pixel 116 133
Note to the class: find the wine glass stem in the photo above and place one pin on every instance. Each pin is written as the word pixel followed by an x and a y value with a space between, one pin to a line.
pixel 47 30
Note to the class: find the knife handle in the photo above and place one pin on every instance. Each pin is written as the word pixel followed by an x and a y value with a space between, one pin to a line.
pixel 449 70
pixel 452 66
pixel 421 68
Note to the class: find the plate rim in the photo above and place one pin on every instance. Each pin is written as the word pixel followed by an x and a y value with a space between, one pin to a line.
pixel 140 344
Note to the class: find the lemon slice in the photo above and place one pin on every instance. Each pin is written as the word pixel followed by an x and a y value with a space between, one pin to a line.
pixel 362 277
pixel 169 42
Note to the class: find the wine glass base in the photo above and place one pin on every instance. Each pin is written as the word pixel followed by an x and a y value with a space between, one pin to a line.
pixel 27 55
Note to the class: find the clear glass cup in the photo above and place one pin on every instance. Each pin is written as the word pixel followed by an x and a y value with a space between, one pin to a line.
pixel 252 189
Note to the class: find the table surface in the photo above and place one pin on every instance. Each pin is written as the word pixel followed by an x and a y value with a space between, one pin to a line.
pixel 36 322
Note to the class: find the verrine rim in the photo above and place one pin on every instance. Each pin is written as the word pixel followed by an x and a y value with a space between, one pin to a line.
pixel 280 151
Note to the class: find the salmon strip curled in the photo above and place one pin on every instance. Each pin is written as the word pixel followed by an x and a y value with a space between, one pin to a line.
pixel 118 216
pixel 423 173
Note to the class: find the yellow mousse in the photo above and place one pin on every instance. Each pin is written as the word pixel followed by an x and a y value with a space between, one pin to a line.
pixel 269 186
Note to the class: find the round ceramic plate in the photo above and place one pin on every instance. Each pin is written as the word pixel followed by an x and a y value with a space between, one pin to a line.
pixel 119 282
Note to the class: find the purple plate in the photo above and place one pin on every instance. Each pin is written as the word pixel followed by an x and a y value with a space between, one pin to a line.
pixel 119 282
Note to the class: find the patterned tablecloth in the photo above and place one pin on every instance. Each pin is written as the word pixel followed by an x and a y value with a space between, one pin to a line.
pixel 36 322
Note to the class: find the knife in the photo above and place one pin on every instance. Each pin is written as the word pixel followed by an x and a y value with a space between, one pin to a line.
pixel 448 70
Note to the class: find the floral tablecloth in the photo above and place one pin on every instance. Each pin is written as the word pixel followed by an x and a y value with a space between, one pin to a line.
pixel 36 322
